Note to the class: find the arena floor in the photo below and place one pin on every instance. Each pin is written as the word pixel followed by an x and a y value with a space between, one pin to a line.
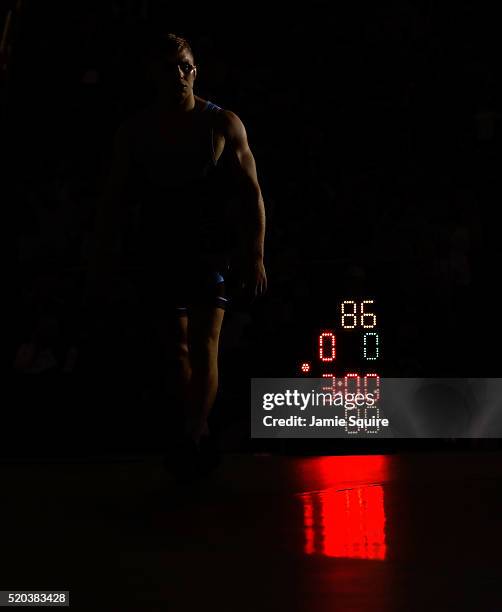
pixel 365 533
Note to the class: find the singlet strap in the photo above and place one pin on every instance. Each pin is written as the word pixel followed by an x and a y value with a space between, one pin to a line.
pixel 212 107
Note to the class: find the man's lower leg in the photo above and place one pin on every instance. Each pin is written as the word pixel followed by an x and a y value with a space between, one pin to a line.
pixel 202 391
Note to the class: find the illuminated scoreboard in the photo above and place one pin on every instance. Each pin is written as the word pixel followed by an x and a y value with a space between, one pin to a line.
pixel 349 351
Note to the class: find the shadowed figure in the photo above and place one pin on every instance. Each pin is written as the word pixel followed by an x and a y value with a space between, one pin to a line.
pixel 169 157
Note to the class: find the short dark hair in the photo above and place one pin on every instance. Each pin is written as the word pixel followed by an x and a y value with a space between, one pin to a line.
pixel 169 42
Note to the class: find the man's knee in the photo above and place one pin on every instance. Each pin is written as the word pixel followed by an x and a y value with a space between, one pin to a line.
pixel 181 353
pixel 204 353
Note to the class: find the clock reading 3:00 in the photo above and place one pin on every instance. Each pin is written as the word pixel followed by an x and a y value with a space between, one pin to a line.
pixel 350 350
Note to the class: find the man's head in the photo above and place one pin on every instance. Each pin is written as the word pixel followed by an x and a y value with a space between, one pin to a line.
pixel 172 66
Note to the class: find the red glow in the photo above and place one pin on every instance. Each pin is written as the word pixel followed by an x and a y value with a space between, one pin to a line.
pixel 308 524
pixel 305 367
pixel 347 520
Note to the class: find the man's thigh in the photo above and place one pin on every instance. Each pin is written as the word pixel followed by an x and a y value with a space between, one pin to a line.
pixel 204 328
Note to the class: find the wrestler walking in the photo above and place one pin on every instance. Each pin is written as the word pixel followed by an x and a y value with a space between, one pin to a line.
pixel 170 155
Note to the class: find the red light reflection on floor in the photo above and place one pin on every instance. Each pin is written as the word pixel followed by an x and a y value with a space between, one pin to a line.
pixel 346 522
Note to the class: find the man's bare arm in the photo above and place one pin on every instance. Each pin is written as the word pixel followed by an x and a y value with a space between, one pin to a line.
pixel 242 166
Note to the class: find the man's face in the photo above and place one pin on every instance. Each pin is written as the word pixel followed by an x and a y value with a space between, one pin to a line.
pixel 174 74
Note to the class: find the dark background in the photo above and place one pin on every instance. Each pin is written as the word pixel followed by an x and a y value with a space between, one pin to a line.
pixel 376 132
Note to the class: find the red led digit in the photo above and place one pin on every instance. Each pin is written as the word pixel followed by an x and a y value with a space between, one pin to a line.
pixel 372 387
pixel 355 377
pixel 354 410
pixel 332 387
pixel 326 354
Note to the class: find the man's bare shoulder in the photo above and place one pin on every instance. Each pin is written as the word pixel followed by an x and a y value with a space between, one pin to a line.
pixel 229 124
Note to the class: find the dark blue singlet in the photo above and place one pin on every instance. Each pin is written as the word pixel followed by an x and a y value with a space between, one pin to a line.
pixel 181 213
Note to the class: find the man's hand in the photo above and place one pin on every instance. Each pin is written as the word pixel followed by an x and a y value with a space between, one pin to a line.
pixel 253 277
